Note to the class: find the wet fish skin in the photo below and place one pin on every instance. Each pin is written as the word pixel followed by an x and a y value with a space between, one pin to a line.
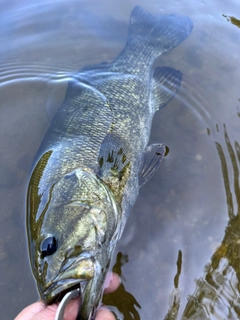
pixel 94 157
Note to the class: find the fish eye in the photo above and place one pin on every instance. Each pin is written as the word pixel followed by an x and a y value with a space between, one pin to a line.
pixel 48 246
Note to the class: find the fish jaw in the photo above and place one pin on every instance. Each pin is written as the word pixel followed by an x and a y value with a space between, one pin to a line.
pixel 78 274
pixel 89 276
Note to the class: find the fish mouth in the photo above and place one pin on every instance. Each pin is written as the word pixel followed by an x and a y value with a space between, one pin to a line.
pixel 75 276
pixel 57 290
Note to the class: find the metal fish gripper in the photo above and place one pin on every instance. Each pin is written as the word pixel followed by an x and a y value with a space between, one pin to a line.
pixel 64 302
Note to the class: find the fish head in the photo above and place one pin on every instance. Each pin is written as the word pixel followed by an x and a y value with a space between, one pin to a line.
pixel 72 239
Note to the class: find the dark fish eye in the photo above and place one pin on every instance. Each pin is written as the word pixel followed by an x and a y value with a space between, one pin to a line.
pixel 48 246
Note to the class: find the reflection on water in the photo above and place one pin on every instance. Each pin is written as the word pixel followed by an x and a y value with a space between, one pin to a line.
pixel 184 207
pixel 233 20
pixel 123 303
pixel 127 306
pixel 217 293
pixel 175 296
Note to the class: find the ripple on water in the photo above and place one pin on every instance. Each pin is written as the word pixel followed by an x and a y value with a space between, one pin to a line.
pixel 184 206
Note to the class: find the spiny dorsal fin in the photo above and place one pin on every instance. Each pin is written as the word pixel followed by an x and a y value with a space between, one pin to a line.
pixel 166 82
pixel 152 158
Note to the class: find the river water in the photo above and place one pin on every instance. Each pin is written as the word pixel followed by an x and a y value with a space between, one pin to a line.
pixel 191 205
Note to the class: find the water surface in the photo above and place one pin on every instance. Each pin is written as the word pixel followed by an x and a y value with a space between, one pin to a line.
pixel 191 204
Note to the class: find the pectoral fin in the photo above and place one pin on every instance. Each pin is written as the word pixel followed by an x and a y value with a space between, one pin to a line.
pixel 152 158
pixel 166 82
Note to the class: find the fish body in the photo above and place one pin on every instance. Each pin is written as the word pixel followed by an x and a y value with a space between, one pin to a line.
pixel 94 157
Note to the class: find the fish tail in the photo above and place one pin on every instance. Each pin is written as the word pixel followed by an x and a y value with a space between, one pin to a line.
pixel 149 36
pixel 160 32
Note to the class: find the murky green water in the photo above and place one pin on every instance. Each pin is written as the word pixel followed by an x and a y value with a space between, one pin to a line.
pixel 191 204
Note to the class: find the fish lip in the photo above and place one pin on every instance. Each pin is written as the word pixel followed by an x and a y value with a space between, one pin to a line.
pixel 57 290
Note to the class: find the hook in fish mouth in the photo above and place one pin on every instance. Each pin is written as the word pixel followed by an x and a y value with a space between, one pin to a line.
pixel 77 274
pixel 57 291
pixel 62 294
pixel 64 302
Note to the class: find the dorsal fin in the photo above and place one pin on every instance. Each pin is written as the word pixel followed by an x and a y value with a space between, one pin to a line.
pixel 166 82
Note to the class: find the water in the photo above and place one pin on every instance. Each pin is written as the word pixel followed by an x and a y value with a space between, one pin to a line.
pixel 184 206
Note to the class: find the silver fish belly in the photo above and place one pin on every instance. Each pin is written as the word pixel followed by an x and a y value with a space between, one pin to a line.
pixel 95 156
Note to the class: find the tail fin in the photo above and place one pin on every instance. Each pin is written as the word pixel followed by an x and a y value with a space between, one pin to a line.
pixel 163 32
pixel 149 36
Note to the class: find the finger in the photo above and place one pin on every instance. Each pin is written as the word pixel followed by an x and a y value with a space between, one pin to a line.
pixel 30 311
pixel 46 314
pixel 39 310
pixel 71 310
pixel 112 282
pixel 105 314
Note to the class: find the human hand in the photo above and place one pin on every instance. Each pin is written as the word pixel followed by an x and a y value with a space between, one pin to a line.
pixel 39 311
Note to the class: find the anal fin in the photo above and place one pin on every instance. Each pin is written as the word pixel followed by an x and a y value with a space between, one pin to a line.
pixel 166 82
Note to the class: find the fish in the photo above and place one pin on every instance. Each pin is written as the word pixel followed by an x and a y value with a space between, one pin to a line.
pixel 95 157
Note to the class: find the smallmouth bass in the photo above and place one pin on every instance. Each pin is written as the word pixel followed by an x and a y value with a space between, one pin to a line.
pixel 94 158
